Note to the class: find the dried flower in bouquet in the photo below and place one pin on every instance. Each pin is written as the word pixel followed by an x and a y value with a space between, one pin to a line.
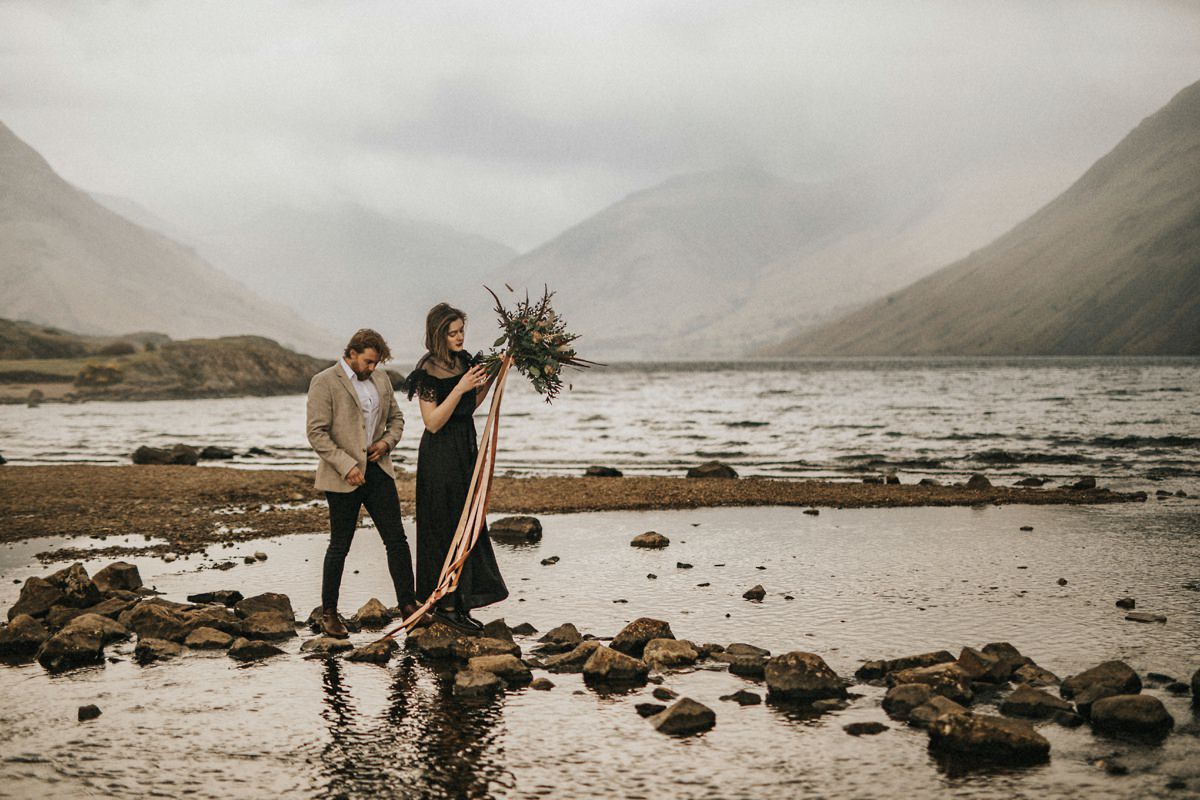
pixel 537 340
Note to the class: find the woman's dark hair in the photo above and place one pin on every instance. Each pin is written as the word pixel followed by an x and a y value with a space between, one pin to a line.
pixel 364 338
pixel 437 327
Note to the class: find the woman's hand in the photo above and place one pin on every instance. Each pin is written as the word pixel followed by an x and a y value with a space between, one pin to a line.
pixel 473 378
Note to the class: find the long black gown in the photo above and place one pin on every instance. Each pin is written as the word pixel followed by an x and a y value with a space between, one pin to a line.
pixel 445 462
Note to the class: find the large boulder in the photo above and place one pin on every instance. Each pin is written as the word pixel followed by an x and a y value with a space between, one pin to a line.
pixel 948 680
pixel 1033 675
pixel 436 640
pixel 606 666
pixel 498 629
pixel 244 649
pixel 902 698
pixel 214 616
pixel 78 589
pixel 802 677
pixel 71 648
pixel 508 667
pixel 668 653
pixel 269 625
pixel 37 597
pixel 373 615
pixel 1137 715
pixel 150 650
pixel 377 652
pixel 268 601
pixel 154 621
pixel 983 667
pixel 875 670
pixel 119 575
pixel 22 636
pixel 684 717
pixel 1025 701
pixel 473 683
pixel 634 637
pixel 108 630
pixel 516 530
pixel 712 469
pixel 929 712
pixel 205 638
pixel 1007 654
pixel 112 608
pixel 574 660
pixel 1116 677
pixel 988 738
pixel 651 540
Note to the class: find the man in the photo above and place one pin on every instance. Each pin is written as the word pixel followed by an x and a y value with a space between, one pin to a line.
pixel 353 425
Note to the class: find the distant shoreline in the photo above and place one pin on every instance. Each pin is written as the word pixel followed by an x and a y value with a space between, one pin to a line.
pixel 186 509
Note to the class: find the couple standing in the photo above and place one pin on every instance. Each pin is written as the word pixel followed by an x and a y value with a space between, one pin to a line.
pixel 354 423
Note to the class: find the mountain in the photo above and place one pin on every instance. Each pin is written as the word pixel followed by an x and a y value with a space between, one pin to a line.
pixel 1111 266
pixel 349 267
pixel 67 261
pixel 712 265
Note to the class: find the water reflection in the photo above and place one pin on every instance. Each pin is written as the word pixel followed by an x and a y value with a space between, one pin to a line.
pixel 421 744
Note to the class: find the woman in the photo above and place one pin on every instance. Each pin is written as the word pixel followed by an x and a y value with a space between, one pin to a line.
pixel 449 390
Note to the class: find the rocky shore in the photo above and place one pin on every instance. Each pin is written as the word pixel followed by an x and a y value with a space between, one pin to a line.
pixel 184 509
pixel 69 620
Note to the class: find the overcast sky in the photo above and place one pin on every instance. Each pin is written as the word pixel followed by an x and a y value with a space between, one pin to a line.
pixel 518 119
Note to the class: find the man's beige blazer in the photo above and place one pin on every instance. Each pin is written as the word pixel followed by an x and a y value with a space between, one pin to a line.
pixel 336 429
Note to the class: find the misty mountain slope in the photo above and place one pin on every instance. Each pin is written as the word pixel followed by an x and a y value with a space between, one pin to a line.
pixel 1111 266
pixel 67 261
pixel 648 275
pixel 351 267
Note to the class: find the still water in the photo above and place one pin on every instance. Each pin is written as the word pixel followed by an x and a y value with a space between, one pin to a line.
pixel 867 583
pixel 1126 421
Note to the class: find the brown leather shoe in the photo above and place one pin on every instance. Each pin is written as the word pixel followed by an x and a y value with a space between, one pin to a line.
pixel 410 608
pixel 331 625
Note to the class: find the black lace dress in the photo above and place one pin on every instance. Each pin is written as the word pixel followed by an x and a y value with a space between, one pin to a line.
pixel 445 462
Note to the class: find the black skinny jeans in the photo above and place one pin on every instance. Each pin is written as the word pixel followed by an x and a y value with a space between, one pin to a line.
pixel 379 496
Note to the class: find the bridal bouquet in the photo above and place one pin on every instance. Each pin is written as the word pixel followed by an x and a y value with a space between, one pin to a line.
pixel 537 341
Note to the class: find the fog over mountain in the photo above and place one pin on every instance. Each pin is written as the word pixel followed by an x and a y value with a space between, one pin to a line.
pixel 1111 266
pixel 67 261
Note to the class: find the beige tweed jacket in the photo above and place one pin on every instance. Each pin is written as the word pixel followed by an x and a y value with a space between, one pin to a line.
pixel 336 429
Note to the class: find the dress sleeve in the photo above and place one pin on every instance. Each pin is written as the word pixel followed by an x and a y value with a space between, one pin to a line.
pixel 420 383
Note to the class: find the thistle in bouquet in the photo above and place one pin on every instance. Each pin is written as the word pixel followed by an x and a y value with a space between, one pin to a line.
pixel 537 340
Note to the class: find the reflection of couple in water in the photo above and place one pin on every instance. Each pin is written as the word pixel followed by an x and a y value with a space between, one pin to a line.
pixel 354 423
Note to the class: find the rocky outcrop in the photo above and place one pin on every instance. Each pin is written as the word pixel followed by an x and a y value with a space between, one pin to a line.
pixel 606 666
pixel 1136 715
pixel 651 540
pixel 634 637
pixel 802 677
pixel 990 739
pixel 684 717
pixel 516 530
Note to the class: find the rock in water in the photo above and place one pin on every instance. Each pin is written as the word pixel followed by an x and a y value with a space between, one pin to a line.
pixel 574 660
pixel 516 530
pixel 469 647
pixel 1143 616
pixel 602 472
pixel 712 469
pixel 1137 715
pixel 524 629
pixel 435 641
pixel 743 698
pixel 22 636
pixel 205 638
pixel 37 597
pixel 902 698
pixel 649 709
pixel 667 653
pixel 978 482
pixel 252 650
pixel 214 616
pixel 326 646
pixel 948 680
pixel 118 575
pixel 71 648
pixel 269 625
pixel 634 637
pixel 1025 701
pixel 1083 484
pixel 1127 603
pixel 508 667
pixel 498 629
pixel 88 712
pixel 378 652
pixel 372 616
pixel 684 717
pixel 566 633
pixel 864 728
pixel 929 712
pixel 985 667
pixel 470 683
pixel 607 666
pixel 652 540
pixel 268 601
pixel 1116 676
pixel 151 650
pixel 1033 675
pixel 987 738
pixel 802 677
pixel 178 454
pixel 873 670
pixel 542 684
pixel 108 630
pixel 79 591
pixel 215 453
pixel 226 597
pixel 756 594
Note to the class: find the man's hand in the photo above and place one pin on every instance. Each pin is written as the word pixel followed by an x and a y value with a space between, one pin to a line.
pixel 355 477
pixel 377 451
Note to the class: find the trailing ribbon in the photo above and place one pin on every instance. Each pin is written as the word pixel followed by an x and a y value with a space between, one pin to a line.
pixel 474 513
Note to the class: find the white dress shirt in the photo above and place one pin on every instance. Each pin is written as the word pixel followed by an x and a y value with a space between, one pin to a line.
pixel 368 399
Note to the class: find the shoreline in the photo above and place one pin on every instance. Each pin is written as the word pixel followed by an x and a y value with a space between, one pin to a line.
pixel 185 509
